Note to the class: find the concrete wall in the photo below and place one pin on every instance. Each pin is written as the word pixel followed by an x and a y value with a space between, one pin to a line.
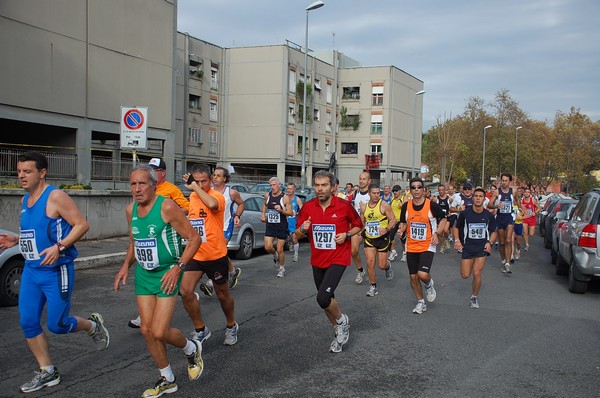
pixel 104 211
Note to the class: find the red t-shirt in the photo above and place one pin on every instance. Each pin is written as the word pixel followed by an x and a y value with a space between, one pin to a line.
pixel 337 218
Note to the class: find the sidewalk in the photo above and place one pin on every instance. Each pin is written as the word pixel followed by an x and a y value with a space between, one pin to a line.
pixel 100 252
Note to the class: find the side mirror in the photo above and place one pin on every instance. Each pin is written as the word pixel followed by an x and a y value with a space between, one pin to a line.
pixel 561 215
pixel 544 213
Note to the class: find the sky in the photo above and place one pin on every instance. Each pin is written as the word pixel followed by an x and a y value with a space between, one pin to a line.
pixel 546 53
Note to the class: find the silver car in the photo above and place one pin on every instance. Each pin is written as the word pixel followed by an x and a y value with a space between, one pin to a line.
pixel 578 243
pixel 11 269
pixel 251 233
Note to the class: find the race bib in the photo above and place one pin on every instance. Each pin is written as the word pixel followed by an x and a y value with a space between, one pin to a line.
pixel 273 216
pixel 324 236
pixel 476 231
pixel 27 244
pixel 146 252
pixel 198 225
pixel 418 230
pixel 506 207
pixel 372 228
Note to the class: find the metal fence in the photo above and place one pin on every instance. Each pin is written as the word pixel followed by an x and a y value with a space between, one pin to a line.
pixel 60 165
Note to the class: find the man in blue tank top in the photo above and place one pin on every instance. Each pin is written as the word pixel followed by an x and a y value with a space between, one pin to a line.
pixel 51 224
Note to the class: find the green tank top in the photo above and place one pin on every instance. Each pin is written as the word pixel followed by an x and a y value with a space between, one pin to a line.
pixel 156 243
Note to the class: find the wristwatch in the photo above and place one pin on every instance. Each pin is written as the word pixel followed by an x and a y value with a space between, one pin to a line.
pixel 181 266
pixel 61 249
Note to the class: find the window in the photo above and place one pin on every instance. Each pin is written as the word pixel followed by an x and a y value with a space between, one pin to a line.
pixel 194 102
pixel 327 146
pixel 349 148
pixel 376 123
pixel 292 81
pixel 375 148
pixel 300 144
pixel 315 144
pixel 213 110
pixel 214 75
pixel 212 142
pixel 329 92
pixel 351 93
pixel 318 85
pixel 290 145
pixel 291 113
pixel 195 135
pixel 316 114
pixel 377 100
pixel 328 120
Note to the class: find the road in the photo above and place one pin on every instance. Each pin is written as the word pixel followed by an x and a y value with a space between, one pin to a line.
pixel 530 338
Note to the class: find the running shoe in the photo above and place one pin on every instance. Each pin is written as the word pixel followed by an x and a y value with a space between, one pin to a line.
pixel 503 268
pixel 474 302
pixel 517 254
pixel 206 289
pixel 100 335
pixel 197 296
pixel 448 247
pixel 295 258
pixel 231 335
pixel 40 380
pixel 372 291
pixel 359 277
pixel 459 250
pixel 512 259
pixel 403 259
pixel 496 245
pixel 420 308
pixel 526 248
pixel 507 268
pixel 290 245
pixel 393 255
pixel 195 362
pixel 281 272
pixel 430 292
pixel 233 281
pixel 342 330
pixel 442 248
pixel 161 387
pixel 335 346
pixel 276 259
pixel 202 335
pixel 135 323
pixel 389 273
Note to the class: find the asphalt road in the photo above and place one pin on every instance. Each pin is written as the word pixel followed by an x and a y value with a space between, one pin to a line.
pixel 530 338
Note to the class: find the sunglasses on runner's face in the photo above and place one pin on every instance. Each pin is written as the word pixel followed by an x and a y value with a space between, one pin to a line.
pixel 416 186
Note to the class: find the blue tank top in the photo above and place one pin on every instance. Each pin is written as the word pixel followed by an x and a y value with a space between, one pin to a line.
pixel 505 203
pixel 39 232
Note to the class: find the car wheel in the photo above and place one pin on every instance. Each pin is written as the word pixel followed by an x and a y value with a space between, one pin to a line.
pixel 575 286
pixel 542 231
pixel 553 255
pixel 246 246
pixel 10 282
pixel 562 267
pixel 547 243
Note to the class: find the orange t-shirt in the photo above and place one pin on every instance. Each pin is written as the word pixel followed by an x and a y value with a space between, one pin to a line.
pixel 209 224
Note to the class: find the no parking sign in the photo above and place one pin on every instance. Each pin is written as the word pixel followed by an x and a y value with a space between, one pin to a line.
pixel 133 127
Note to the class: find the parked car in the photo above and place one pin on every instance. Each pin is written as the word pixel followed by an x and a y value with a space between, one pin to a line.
pixel 261 187
pixel 548 206
pixel 578 250
pixel 238 187
pixel 550 219
pixel 251 233
pixel 561 217
pixel 11 269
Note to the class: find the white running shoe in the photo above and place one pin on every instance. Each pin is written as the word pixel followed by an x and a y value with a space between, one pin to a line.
pixel 526 248
pixel 372 291
pixel 231 335
pixel 403 259
pixel 281 272
pixel 359 277
pixel 335 346
pixel 474 302
pixel 430 292
pixel 135 323
pixel 393 255
pixel 295 258
pixel 276 259
pixel 503 268
pixel 420 308
pixel 389 273
pixel 517 254
pixel 342 330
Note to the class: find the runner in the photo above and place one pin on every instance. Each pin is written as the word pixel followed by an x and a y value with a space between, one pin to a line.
pixel 361 196
pixel 296 204
pixel 387 194
pixel 330 223
pixel 234 207
pixel 531 207
pixel 517 235
pixel 349 192
pixel 423 221
pixel 443 200
pixel 474 230
pixel 396 206
pixel 157 224
pixel 275 210
pixel 50 226
pixel 503 200
pixel 207 214
pixel 379 221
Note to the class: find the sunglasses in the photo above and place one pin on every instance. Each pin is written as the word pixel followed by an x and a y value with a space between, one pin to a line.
pixel 467 189
pixel 416 186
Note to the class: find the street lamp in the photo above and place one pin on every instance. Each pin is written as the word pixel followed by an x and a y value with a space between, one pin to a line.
pixel 313 6
pixel 489 126
pixel 515 174
pixel 414 154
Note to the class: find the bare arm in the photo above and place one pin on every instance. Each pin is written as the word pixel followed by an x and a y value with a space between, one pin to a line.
pixel 129 258
pixel 237 199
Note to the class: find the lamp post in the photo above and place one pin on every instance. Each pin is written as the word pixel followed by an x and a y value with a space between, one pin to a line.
pixel 516 134
pixel 313 6
pixel 489 126
pixel 414 154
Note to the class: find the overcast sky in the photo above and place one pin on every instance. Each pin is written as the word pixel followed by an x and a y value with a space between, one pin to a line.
pixel 545 52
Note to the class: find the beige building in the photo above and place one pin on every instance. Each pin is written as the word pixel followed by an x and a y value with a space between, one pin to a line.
pixel 70 66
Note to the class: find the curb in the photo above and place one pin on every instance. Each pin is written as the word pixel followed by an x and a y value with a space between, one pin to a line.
pixel 99 260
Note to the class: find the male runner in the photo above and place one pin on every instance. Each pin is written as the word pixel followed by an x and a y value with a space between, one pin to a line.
pixel 531 207
pixel 275 210
pixel 423 220
pixel 396 206
pixel 361 196
pixel 207 211
pixel 330 223
pixel 349 192
pixel 50 225
pixel 378 219
pixel 157 224
pixel 473 232
pixel 234 207
pixel 296 204
pixel 443 200
pixel 503 200
pixel 387 194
